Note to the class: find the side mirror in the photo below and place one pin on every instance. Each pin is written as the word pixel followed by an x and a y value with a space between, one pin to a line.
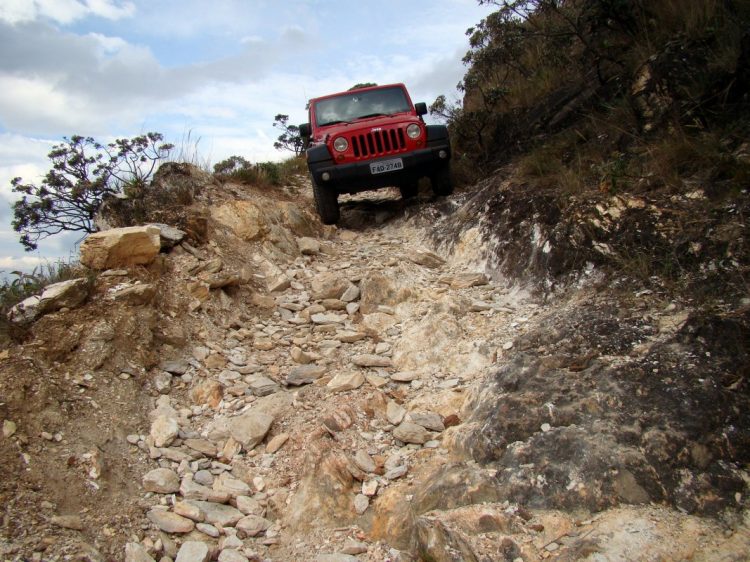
pixel 304 130
pixel 421 108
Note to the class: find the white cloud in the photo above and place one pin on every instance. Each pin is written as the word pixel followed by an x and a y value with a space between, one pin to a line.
pixel 210 79
pixel 27 101
pixel 63 11
pixel 23 157
pixel 109 45
pixel 21 263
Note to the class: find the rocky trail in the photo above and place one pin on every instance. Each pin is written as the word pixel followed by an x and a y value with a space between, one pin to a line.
pixel 282 391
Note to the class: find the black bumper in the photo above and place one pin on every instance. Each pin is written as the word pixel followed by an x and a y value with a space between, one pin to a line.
pixel 356 176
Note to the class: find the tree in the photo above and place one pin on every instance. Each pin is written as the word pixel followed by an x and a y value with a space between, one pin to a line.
pixel 289 139
pixel 232 165
pixel 83 173
pixel 362 85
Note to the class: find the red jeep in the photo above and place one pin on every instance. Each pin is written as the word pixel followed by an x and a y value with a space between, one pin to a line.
pixel 370 138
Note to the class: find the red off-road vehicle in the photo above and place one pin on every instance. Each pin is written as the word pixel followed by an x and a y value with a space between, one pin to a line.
pixel 370 138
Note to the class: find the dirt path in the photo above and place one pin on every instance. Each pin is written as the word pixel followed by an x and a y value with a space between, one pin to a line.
pixel 307 419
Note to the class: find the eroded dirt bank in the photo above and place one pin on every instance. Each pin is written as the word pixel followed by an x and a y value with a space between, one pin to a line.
pixel 397 388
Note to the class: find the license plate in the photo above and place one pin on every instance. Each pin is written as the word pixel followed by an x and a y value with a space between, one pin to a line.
pixel 386 166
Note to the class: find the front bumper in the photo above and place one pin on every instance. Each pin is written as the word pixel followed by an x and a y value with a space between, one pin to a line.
pixel 356 176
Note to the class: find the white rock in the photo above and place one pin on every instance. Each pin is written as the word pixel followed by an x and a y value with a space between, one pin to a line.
pixel 253 525
pixel 404 376
pixel 361 503
pixel 346 381
pixel 250 428
pixel 231 485
pixel 368 360
pixel 136 552
pixel 364 461
pixel 276 442
pixel 193 551
pixel 352 308
pixel 193 491
pixel 370 487
pixel 9 428
pixel 161 481
pixel 351 294
pixel 120 247
pixel 328 286
pixel 396 472
pixel 66 294
pixel 302 357
pixel 411 433
pixel 428 420
pixel 164 430
pixel 394 413
pixel 170 522
pixel 187 509
pixel 207 529
pixel 328 318
pixel 217 514
pixel 249 505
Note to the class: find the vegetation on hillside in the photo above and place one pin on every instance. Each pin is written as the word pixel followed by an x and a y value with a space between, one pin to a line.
pixel 618 130
pixel 608 94
pixel 290 138
pixel 83 173
pixel 261 174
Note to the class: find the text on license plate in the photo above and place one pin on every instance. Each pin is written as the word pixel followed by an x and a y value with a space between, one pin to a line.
pixel 386 166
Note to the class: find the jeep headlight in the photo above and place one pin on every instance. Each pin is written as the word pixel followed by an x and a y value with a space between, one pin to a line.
pixel 413 131
pixel 340 144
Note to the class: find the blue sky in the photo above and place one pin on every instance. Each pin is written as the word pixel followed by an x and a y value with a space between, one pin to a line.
pixel 217 71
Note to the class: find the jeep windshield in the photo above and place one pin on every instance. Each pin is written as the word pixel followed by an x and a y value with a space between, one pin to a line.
pixel 360 104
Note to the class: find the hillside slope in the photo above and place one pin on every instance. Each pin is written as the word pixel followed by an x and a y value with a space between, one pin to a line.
pixel 389 389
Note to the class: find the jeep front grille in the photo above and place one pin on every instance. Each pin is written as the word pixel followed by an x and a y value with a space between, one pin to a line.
pixel 377 143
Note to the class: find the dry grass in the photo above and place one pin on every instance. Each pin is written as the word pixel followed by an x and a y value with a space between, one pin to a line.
pixel 262 174
pixel 24 285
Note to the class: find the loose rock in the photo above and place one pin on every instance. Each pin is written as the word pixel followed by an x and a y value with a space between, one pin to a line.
pixel 411 433
pixel 161 481
pixel 250 428
pixel 193 551
pixel 371 361
pixel 253 525
pixel 170 522
pixel 136 552
pixel 346 381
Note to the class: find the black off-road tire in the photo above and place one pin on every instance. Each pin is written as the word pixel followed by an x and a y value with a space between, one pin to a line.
pixel 327 203
pixel 409 189
pixel 441 180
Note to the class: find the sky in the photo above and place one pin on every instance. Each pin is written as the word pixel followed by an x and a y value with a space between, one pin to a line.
pixel 209 75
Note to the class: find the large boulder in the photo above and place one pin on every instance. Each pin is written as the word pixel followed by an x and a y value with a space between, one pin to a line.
pixel 121 247
pixel 245 219
pixel 66 294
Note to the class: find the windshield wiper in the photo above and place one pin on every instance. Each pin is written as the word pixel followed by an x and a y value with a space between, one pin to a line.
pixel 371 115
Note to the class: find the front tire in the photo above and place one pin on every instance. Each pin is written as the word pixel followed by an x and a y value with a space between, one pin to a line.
pixel 327 203
pixel 441 180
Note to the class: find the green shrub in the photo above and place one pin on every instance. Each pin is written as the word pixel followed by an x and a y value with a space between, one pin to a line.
pixel 83 173
pixel 263 174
